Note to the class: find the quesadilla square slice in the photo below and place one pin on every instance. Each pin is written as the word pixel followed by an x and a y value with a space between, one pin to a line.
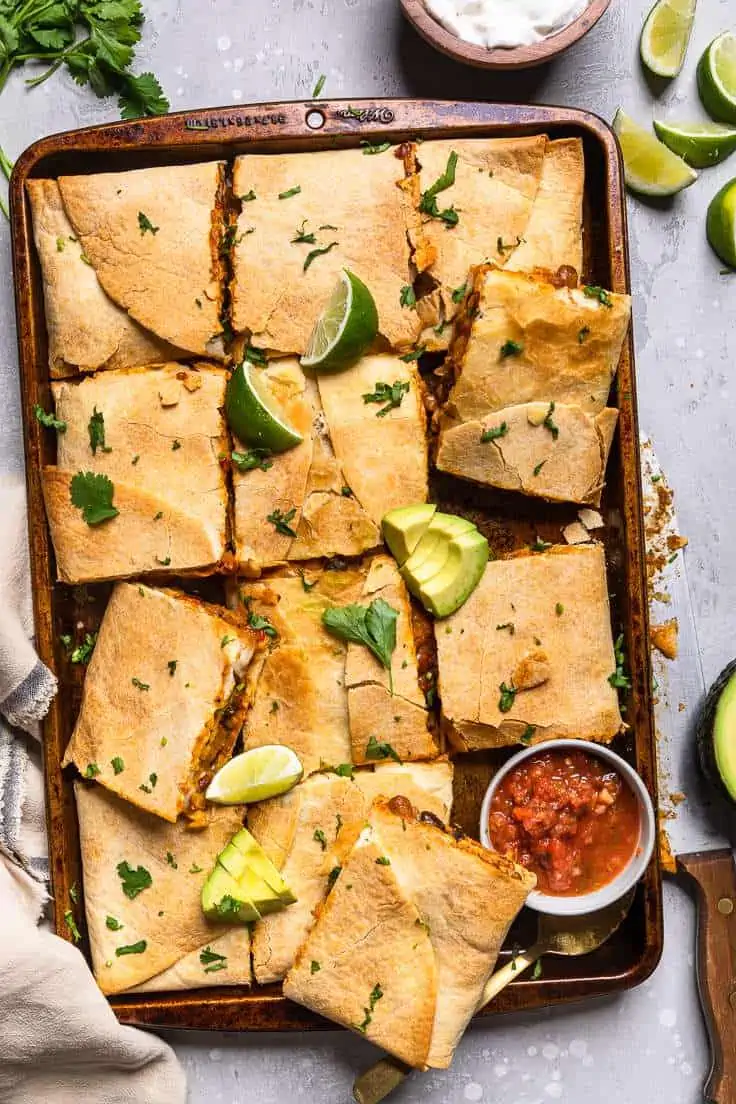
pixel 153 238
pixel 223 960
pixel 142 881
pixel 164 699
pixel 387 711
pixel 488 191
pixel 86 329
pixel 522 339
pixel 299 696
pixel 304 218
pixel 538 653
pixel 364 451
pixel 157 435
pixel 554 237
pixel 549 450
pixel 308 834
pixel 408 937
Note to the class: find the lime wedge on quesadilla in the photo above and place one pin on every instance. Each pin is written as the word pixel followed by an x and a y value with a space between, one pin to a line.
pixel 345 329
pixel 256 775
pixel 253 412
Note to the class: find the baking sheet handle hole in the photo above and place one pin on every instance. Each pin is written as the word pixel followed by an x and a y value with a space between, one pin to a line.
pixel 315 119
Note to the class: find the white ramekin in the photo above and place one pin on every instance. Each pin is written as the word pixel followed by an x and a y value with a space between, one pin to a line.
pixel 632 872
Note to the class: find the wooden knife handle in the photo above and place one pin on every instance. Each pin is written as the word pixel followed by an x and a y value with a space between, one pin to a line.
pixel 715 876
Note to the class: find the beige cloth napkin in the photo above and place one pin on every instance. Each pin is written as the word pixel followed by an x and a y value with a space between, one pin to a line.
pixel 59 1040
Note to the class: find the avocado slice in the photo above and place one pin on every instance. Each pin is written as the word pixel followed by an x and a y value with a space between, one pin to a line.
pixel 716 733
pixel 451 525
pixel 223 899
pixel 404 527
pixel 446 591
pixel 244 884
pixel 259 863
pixel 430 555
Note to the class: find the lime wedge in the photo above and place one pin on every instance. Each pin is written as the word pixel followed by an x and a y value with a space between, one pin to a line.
pixel 345 329
pixel 253 412
pixel 721 224
pixel 717 78
pixel 256 775
pixel 651 169
pixel 665 37
pixel 700 144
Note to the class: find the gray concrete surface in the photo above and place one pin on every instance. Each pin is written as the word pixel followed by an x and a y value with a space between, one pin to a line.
pixel 647 1045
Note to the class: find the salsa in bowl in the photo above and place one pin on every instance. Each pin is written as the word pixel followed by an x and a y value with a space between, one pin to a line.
pixel 577 815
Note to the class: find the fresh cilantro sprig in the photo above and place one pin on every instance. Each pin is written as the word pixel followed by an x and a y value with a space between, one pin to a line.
pixel 373 625
pixel 428 203
pixel 92 494
pixel 391 394
pixel 94 39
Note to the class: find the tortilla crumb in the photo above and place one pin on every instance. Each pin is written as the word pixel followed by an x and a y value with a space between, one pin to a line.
pixel 664 638
pixel 591 519
pixel 575 533
pixel 666 856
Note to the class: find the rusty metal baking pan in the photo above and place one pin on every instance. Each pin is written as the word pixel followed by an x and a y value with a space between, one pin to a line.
pixel 631 954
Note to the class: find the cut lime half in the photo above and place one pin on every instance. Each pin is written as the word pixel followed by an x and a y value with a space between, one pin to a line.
pixel 700 144
pixel 256 775
pixel 345 329
pixel 651 169
pixel 717 78
pixel 253 412
pixel 721 224
pixel 665 37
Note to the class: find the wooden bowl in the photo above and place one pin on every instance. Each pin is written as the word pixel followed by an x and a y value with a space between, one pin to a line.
pixel 519 57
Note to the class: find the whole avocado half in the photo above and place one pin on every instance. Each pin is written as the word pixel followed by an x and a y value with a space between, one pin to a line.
pixel 716 734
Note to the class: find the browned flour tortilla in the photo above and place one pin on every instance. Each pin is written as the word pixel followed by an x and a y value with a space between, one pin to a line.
pixel 326 699
pixel 339 196
pixel 164 433
pixel 308 834
pixel 389 956
pixel 153 238
pixel 164 698
pixel 354 464
pixel 539 624
pixel 86 329
pixel 533 367
pixel 164 922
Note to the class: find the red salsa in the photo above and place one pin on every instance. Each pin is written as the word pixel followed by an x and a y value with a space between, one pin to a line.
pixel 569 817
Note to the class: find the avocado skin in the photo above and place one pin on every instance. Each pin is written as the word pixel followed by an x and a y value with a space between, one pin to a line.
pixel 705 735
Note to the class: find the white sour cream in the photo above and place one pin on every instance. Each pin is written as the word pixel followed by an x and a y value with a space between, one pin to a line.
pixel 505 22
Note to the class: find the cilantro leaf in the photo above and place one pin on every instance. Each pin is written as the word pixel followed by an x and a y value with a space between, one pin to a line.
pixel 549 424
pixel 390 393
pixel 262 624
pixel 494 432
pixel 375 749
pixel 96 430
pixel 145 225
pixel 280 521
pixel 428 202
pixel 83 652
pixel 92 493
pixel 112 923
pixel 49 420
pixel 591 291
pixel 510 348
pixel 132 948
pixel 314 253
pixel 316 91
pixel 373 626
pixel 71 925
pixel 370 149
pixel 407 296
pixel 506 701
pixel 252 458
pixel 134 881
pixel 141 95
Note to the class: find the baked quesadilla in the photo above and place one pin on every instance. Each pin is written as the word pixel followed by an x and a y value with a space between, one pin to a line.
pixel 157 435
pixel 308 834
pixel 86 329
pixel 515 201
pixel 408 937
pixel 154 238
pixel 296 233
pixel 363 452
pixel 538 653
pixel 533 366
pixel 321 697
pixel 164 699
pixel 142 885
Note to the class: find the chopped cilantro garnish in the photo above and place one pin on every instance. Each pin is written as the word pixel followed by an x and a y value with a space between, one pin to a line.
pixel 320 838
pixel 537 971
pixel 526 736
pixel 212 961
pixel 333 876
pixel 415 355
pixel 92 493
pixel 280 521
pixel 619 679
pixel 49 420
pixel 559 609
pixel 262 624
pixel 91 770
pixel 134 881
pixel 172 666
pixel 96 430
pixel 318 86
pixel 248 197
pixel 390 394
pixel 301 236
pixel 314 253
pixel 314 967
pixel 194 869
pixel 132 948
pixel 507 625
pixel 71 925
pixel 583 334
pixel 591 291
pixel 226 640
pixel 252 458
pixel 380 750
pixel 459 293
pixel 175 445
pixel 549 424
pixel 228 906
pixel 539 467
pixel 494 433
pixel 290 192
pixel 140 685
pixel 510 348
pixel 428 202
pixel 171 861
pixel 506 701
pixel 376 994
pixel 383 861
pixel 112 923
pixel 407 298
pixel 83 652
pixel 370 149
pixel 117 764
pixel 540 545
pixel 145 224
